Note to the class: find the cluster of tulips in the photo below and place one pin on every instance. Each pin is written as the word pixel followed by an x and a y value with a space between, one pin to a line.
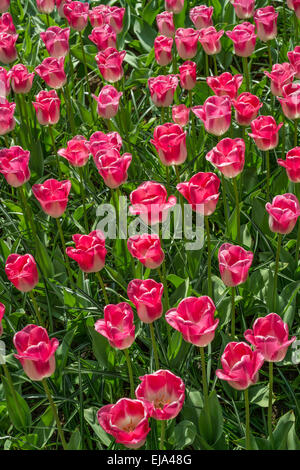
pixel 160 395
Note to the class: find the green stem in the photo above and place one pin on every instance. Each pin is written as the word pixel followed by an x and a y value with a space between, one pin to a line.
pixel 174 59
pixel 180 198
pixel 154 346
pixel 204 378
pixel 268 173
pixel 225 203
pixel 296 29
pixel 209 283
pixel 165 283
pixel 237 208
pixel 233 312
pixel 284 21
pixel 295 133
pixel 270 402
pixel 87 76
pixel 193 129
pixel 130 374
pixel 67 98
pixel 215 65
pixel 162 434
pixel 83 195
pixel 36 308
pixel 12 390
pixel 99 277
pixel 276 271
pixel 167 179
pixel 64 250
pixel 206 65
pixel 54 150
pixel 270 55
pixel 246 72
pixel 283 137
pixel 247 411
pixel 162 115
pixel 297 243
pixel 55 414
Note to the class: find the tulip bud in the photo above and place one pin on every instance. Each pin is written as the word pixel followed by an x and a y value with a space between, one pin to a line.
pixel 117 325
pixel 45 6
pixel 104 37
pixel 89 251
pixel 201 16
pixel 234 264
pixel 76 14
pixel 244 39
pixel 265 132
pixel 109 63
pixel 170 142
pixel 108 102
pixel 165 24
pixel 201 192
pixel 188 75
pixel 77 151
pixel 147 249
pixel 22 272
pixel 246 108
pixel 113 166
pixel 186 40
pixel 266 23
pixel 7 120
pixel 51 70
pixel 14 165
pixel 146 295
pixel 162 89
pixel 163 50
pixel 292 164
pixel 283 213
pixel 181 114
pixel 210 40
pixel 47 107
pixel 228 157
pixel 280 75
pixel 225 84
pixel 53 196
pixel 8 51
pixel 21 79
pixel 56 40
pixel 215 114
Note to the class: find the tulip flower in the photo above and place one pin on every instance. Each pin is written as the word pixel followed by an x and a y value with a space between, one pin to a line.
pixel 56 40
pixel 170 142
pixel 4 82
pixel 108 102
pixel 77 151
pixel 210 40
pixel 280 75
pixel 201 192
pixel 292 164
pixel 21 80
pixel 52 196
pixel 150 201
pixel 290 102
pixel 109 63
pixel 4 5
pixel 126 421
pixel 100 142
pixel 295 6
pixel 7 120
pixel 115 17
pixel 266 23
pixel 76 14
pixel 2 312
pixel 60 7
pixel 228 157
pixel 89 251
pixel 14 165
pixel 174 6
pixel 8 51
pixel 201 16
pixel 283 213
pixel 215 114
pixel 51 70
pixel 104 37
pixel 294 58
pixel 97 15
pixel 117 325
pixel 186 40
pixel 147 249
pixel 22 272
pixel 234 264
pixel 246 108
pixel 6 24
pixel 265 132
pixel 181 114
pixel 45 6
pixel 244 9
pixel 162 89
pixel 188 75
pixel 47 107
pixel 244 39
pixel 225 84
pixel 163 50
pixel 146 296
pixel 165 24
pixel 113 167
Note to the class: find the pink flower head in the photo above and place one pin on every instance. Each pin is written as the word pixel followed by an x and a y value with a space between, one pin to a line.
pixel 283 213
pixel 215 114
pixel 147 249
pixel 36 352
pixel 2 312
pixel 163 50
pixel 100 142
pixel 6 24
pixel 201 16
pixel 47 106
pixel 265 132
pixel 292 164
pixel 270 337
pixel 7 120
pixel 8 51
pixel 45 6
pixel 201 192
pixel 244 9
pixel 150 201
pixel 22 272
pixel 4 5
pixel 21 79
pixel 294 5
pixel 181 114
pixel 210 40
pixel 174 5
pixel 240 365
pixel 117 325
pixel 266 23
pixel 186 40
pixel 56 40
pixel 225 84
pixel 51 70
pixel 53 196
pixel 127 421
pixel 244 39
pixel 109 63
pixel 60 7
pixel 162 89
pixel 146 296
pixel 97 15
pixel 76 14
pixel 194 319
pixel 165 24
pixel 246 108
pixel 228 157
pixel 234 264
pixel 113 167
pixel 108 102
pixel 89 251
pixel 294 58
pixel 281 75
pixel 14 165
pixel 114 17
pixel 163 394
pixel 104 37
pixel 170 142
pixel 290 102
pixel 188 75
pixel 77 151
pixel 4 82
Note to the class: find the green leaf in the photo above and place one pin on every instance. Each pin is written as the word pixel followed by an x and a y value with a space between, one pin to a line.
pixel 211 420
pixel 282 430
pixel 90 416
pixel 18 410
pixel 99 343
pixel 185 433
pixel 75 440
pixel 45 427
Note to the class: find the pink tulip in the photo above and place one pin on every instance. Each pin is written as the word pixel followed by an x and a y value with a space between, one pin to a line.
pixel 225 84
pixel 56 40
pixel 117 325
pixel 7 120
pixel 194 319
pixel 292 164
pixel 181 114
pixel 21 79
pixel 201 16
pixel 146 296
pixel 150 201
pixel 294 5
pixel 97 15
pixel 215 114
pixel 294 58
pixel 108 102
pixel 170 142
pixel 240 365
pixel 22 272
pixel 14 165
pixel 266 23
pixel 100 142
pixel 246 108
pixel 4 5
pixel 210 40
pixel 114 17
pixel 36 352
pixel 188 75
pixel 201 192
pixel 109 63
pixel 163 50
pixel 7 24
pixel 52 196
pixel 174 5
pixel 76 14
pixel 186 40
pixel 290 102
pixel 244 9
pixel 147 249
pixel 162 89
pixel 8 51
pixel 113 167
pixel 47 107
pixel 228 157
pixel 283 213
pixel 265 132
pixel 51 70
pixel 163 394
pixel 281 75
pixel 104 37
pixel 89 251
pixel 45 6
pixel 126 421
pixel 2 312
pixel 165 24
pixel 77 151
pixel 244 39
pixel 60 7
pixel 234 264
pixel 4 82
